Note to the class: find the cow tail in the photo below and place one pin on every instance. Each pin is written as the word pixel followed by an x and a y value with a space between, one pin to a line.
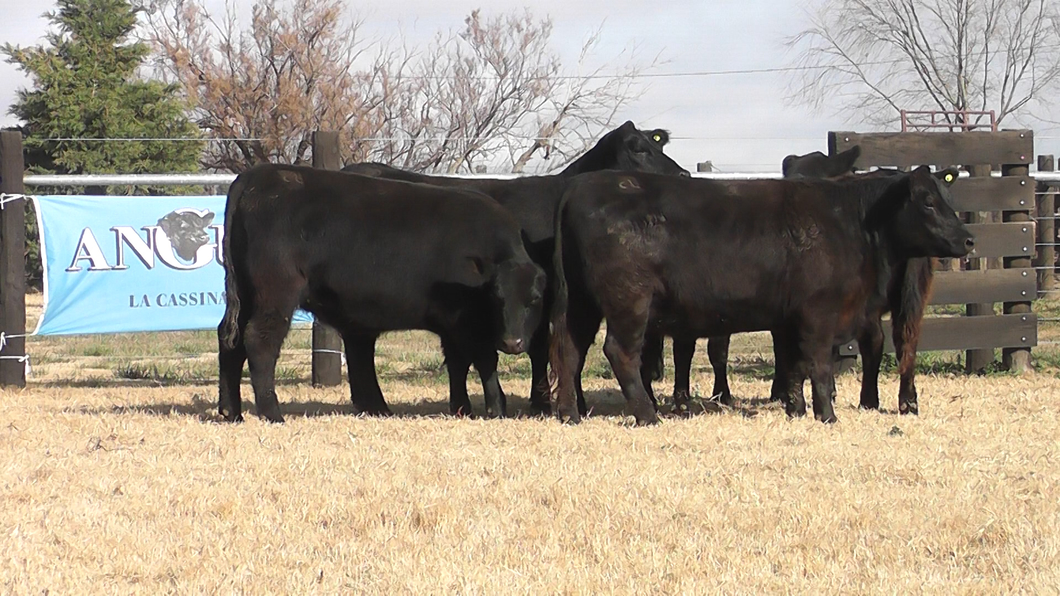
pixel 229 330
pixel 560 343
pixel 915 293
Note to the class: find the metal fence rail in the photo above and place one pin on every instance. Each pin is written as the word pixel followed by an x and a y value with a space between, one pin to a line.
pixel 206 179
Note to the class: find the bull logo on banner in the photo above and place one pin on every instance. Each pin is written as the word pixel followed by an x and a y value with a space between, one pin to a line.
pixel 181 240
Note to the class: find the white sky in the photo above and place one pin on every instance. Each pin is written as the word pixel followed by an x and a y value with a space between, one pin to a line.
pixel 741 122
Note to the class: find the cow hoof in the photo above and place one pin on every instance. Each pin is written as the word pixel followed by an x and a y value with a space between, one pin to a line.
pixel 373 411
pixel 274 417
pixel 570 419
pixel 793 411
pixel 229 416
pixel 829 419
pixel 648 421
pixel 913 409
pixel 869 405
pixel 540 409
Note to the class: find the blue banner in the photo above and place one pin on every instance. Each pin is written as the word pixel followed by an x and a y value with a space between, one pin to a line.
pixel 119 264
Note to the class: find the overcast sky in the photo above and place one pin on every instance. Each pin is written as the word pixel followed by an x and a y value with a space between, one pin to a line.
pixel 741 122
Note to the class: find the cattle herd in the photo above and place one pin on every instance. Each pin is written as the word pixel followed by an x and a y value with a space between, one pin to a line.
pixel 535 264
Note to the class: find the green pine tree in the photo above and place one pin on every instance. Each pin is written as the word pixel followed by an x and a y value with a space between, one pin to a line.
pixel 86 85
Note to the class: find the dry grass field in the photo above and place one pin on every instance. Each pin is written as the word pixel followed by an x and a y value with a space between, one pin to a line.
pixel 115 478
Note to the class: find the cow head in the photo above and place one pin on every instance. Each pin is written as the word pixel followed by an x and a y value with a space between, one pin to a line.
pixel 186 231
pixel 516 289
pixel 629 149
pixel 819 165
pixel 519 290
pixel 920 219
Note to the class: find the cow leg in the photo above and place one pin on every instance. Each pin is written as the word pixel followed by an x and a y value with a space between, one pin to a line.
pixel 790 373
pixel 583 408
pixel 457 365
pixel 540 402
pixel 496 401
pixel 718 352
pixel 622 346
pixel 870 343
pixel 263 338
pixel 651 364
pixel 781 371
pixel 817 347
pixel 365 393
pixel 584 333
pixel 906 336
pixel 230 362
pixel 684 350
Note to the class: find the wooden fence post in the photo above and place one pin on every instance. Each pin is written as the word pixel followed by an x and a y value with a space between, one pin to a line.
pixel 327 345
pixel 1018 359
pixel 1045 197
pixel 976 361
pixel 12 262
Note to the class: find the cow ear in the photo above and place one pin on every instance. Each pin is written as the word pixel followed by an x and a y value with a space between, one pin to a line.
pixel 473 271
pixel 922 179
pixel 660 137
pixel 948 176
pixel 207 219
pixel 845 161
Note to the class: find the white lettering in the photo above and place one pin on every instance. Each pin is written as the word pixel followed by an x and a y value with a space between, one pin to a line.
pixel 141 248
pixel 88 249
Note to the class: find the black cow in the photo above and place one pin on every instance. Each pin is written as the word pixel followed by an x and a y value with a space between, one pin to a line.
pixel 367 255
pixel 642 250
pixel 819 165
pixel 904 296
pixel 533 200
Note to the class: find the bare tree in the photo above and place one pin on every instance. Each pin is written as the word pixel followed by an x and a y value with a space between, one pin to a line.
pixel 494 88
pixel 498 88
pixel 872 58
pixel 292 71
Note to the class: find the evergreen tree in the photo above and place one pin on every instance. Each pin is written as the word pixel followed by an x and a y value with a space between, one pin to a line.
pixel 86 85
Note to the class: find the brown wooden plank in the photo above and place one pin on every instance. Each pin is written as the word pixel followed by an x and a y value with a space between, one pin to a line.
pixel 964 333
pixel 12 261
pixel 1017 359
pixel 1009 193
pixel 326 368
pixel 936 148
pixel 1011 239
pixel 983 286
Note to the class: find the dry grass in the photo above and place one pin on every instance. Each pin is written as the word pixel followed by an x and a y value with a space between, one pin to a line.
pixel 125 487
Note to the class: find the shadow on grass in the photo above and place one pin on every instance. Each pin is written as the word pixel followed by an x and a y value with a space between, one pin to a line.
pixel 203 406
pixel 109 383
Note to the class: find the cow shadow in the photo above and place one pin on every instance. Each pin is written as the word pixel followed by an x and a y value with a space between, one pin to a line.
pixel 110 383
pixel 601 403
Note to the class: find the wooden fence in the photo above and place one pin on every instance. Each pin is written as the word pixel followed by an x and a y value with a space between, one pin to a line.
pixel 998 210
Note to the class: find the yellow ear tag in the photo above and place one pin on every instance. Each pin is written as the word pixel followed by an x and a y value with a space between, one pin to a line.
pixel 949 177
pixel 657 138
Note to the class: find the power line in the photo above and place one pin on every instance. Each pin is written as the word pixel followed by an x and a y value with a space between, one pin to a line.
pixel 388 139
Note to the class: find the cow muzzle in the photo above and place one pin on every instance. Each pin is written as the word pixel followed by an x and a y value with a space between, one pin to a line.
pixel 513 345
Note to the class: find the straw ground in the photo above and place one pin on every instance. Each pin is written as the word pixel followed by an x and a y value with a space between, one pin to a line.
pixel 115 477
